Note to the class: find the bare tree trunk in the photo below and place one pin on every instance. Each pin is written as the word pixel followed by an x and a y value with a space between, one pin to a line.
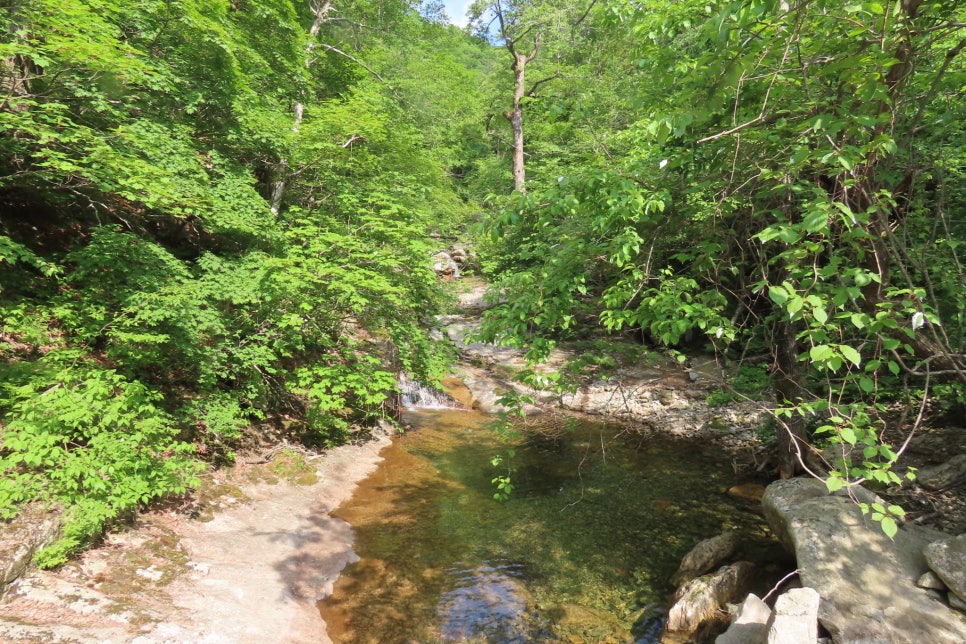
pixel 516 120
pixel 511 35
pixel 320 9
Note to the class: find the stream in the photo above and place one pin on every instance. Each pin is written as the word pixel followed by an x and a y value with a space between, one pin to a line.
pixel 583 550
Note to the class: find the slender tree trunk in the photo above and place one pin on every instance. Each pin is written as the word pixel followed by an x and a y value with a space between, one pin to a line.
pixel 320 9
pixel 516 121
pixel 792 440
pixel 511 33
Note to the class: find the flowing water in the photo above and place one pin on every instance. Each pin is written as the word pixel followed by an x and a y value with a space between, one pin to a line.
pixel 581 552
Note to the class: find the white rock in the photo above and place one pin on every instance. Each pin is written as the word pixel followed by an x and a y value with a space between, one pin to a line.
pixel 795 618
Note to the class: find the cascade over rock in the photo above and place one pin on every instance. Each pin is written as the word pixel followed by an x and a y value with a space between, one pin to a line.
pixel 867 582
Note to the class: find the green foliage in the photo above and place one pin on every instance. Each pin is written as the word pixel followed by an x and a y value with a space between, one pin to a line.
pixel 89 439
pixel 749 382
pixel 778 171
pixel 153 303
pixel 505 426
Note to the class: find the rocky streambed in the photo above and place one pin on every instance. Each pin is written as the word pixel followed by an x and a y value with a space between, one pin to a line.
pixel 258 546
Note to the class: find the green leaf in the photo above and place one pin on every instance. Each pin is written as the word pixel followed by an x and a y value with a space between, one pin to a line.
pixel 834 483
pixel 815 221
pixel 851 354
pixel 820 353
pixel 778 295
pixel 847 434
pixel 889 527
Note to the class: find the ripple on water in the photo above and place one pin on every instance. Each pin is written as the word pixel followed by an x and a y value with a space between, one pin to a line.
pixel 489 601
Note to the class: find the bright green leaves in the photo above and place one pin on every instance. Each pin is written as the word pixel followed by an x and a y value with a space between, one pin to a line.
pixel 833 356
pixel 148 290
pixel 669 311
pixel 78 434
pixel 12 253
pixel 885 514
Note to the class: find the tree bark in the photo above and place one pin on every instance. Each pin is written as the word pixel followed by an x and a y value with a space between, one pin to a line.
pixel 792 439
pixel 320 9
pixel 519 67
pixel 516 119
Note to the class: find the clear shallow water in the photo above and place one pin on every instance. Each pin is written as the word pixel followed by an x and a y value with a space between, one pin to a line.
pixel 582 552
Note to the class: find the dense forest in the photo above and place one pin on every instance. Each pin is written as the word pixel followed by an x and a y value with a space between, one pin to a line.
pixel 217 218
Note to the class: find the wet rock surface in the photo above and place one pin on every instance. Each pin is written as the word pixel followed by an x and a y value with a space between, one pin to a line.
pixel 706 555
pixel 701 599
pixel 661 396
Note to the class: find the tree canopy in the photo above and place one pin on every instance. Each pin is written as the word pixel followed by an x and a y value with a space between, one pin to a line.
pixel 779 177
pixel 215 216
pixel 218 218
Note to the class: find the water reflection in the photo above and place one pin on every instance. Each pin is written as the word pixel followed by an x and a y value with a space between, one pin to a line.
pixel 489 600
pixel 593 532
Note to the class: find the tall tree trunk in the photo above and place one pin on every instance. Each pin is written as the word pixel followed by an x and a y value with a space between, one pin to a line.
pixel 320 9
pixel 511 35
pixel 515 117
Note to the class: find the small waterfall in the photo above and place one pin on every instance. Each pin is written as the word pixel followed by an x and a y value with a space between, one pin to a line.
pixel 415 395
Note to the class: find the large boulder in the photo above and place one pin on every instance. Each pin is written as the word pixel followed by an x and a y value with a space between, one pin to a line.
pixel 444 266
pixel 867 582
pixel 946 475
pixel 35 528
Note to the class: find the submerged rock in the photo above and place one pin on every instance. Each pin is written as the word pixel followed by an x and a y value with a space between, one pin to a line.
pixel 750 493
pixel 866 581
pixel 706 555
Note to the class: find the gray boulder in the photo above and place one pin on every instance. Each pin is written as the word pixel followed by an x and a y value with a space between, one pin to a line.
pixel 795 618
pixel 940 477
pixel 700 599
pixel 750 625
pixel 931 580
pixel 444 266
pixel 947 558
pixel 35 528
pixel 705 556
pixel 867 582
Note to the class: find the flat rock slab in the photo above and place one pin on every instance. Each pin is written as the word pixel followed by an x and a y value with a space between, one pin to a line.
pixel 252 574
pixel 866 582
